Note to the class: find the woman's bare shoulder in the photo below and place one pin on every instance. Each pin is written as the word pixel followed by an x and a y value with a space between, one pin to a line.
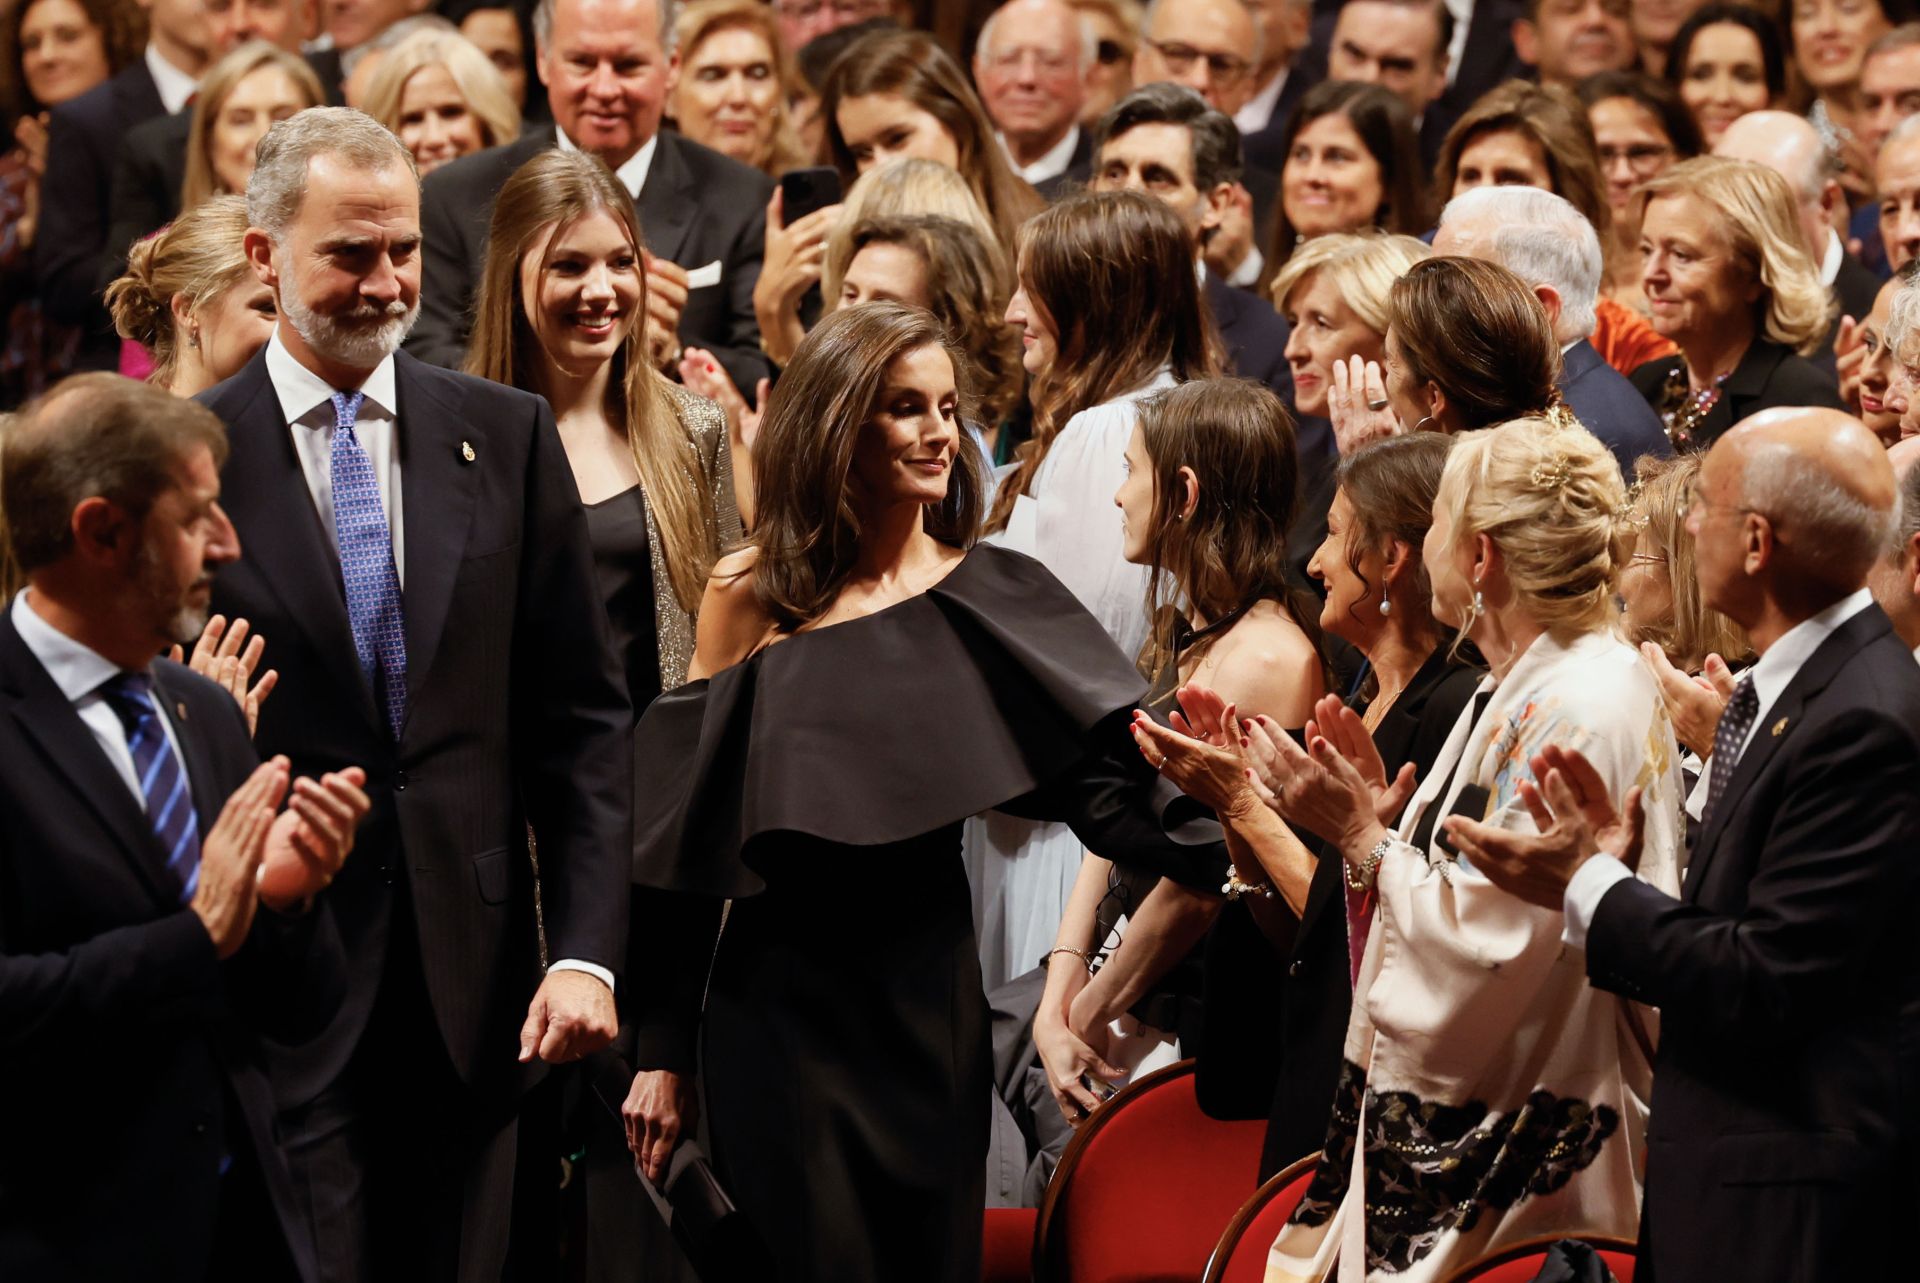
pixel 732 621
pixel 1269 665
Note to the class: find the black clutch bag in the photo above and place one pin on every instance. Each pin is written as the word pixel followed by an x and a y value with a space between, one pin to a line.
pixel 718 1241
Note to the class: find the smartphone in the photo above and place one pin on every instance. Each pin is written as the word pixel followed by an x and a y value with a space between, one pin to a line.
pixel 802 191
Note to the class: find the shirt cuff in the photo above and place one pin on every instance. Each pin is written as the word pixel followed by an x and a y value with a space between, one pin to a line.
pixel 593 969
pixel 1589 884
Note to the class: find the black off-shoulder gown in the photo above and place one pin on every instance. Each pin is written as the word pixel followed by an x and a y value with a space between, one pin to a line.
pixel 821 785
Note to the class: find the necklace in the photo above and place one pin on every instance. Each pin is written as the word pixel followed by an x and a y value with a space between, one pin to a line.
pixel 1682 409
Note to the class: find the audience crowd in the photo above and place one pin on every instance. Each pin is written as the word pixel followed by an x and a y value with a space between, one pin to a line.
pixel 1369 546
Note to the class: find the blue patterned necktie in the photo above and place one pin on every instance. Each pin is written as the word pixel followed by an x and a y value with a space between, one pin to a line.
pixel 1735 721
pixel 366 565
pixel 163 783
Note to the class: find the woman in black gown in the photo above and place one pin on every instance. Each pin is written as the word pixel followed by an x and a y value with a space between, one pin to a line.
pixel 561 308
pixel 866 678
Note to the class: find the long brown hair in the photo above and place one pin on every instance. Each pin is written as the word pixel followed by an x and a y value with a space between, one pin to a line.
pixel 1230 552
pixel 549 192
pixel 1114 273
pixel 1553 120
pixel 807 519
pixel 1475 330
pixel 912 65
pixel 1386 130
pixel 200 181
pixel 1390 487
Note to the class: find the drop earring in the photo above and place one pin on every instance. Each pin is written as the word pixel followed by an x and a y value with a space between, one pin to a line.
pixel 1386 607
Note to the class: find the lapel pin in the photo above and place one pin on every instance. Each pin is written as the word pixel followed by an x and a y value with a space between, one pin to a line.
pixel 466 451
pixel 182 710
pixel 1779 727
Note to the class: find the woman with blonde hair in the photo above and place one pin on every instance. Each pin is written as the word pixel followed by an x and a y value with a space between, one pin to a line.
pixel 442 98
pixel 1489 1093
pixel 190 299
pixel 734 82
pixel 1729 280
pixel 242 96
pixel 1110 311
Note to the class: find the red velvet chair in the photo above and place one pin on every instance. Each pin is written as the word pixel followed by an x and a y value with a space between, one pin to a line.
pixel 1241 1254
pixel 1519 1263
pixel 1145 1187
pixel 1006 1254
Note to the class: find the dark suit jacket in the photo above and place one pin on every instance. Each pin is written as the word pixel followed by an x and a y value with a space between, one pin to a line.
pixel 696 207
pixel 1767 376
pixel 133 1054
pixel 1076 175
pixel 1276 1023
pixel 83 137
pixel 517 709
pixel 1611 408
pixel 1261 146
pixel 1787 1084
pixel 1854 288
pixel 144 196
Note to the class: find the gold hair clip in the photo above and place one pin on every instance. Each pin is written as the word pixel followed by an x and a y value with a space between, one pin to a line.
pixel 1553 475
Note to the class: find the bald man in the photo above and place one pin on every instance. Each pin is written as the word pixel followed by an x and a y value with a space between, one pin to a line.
pixel 1784 1109
pixel 1895 578
pixel 1793 148
pixel 1031 63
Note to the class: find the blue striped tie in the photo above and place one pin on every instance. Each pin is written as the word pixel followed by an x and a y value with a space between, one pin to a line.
pixel 162 781
pixel 366 565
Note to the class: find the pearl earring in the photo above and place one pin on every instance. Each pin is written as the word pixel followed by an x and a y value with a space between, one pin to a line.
pixel 1386 607
pixel 1479 602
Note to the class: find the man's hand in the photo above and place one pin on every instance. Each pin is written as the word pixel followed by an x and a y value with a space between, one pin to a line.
pixel 1694 704
pixel 571 1016
pixel 218 657
pixel 310 840
pixel 227 893
pixel 666 299
pixel 661 1107
pixel 1576 820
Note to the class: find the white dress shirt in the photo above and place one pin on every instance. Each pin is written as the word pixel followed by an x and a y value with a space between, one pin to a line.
pixel 633 174
pixel 1770 675
pixel 1462 11
pixel 175 85
pixel 1051 164
pixel 79 672
pixel 307 404
pixel 1830 264
pixel 1258 112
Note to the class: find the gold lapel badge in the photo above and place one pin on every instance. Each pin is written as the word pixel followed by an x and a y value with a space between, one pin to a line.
pixel 181 709
pixel 1779 727
pixel 466 451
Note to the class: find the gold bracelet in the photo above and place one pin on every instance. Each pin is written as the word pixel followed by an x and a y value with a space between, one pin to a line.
pixel 1086 959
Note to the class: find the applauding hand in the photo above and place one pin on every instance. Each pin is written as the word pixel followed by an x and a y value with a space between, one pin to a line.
pixel 1694 704
pixel 1575 818
pixel 1357 405
pixel 309 841
pixel 218 657
pixel 227 893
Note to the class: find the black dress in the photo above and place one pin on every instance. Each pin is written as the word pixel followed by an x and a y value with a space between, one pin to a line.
pixel 821 785
pixel 1768 375
pixel 617 528
pixel 1276 1022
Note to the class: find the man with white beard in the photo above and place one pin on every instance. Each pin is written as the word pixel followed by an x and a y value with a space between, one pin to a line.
pixel 419 557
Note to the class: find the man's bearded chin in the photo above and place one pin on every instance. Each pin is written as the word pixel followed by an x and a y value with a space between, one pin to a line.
pixel 181 621
pixel 362 338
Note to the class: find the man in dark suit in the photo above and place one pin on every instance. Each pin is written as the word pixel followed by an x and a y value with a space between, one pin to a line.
pixel 151 163
pixel 1031 63
pixel 607 66
pixel 159 917
pixel 1287 68
pixel 418 553
pixel 1563 43
pixel 1548 244
pixel 83 137
pixel 1783 1111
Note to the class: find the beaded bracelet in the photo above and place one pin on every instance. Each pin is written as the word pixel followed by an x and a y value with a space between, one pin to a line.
pixel 1234 888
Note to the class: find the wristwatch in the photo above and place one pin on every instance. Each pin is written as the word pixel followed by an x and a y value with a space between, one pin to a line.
pixel 1361 876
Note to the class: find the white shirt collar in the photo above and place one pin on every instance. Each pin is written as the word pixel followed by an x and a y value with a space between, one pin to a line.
pixel 1258 113
pixel 1774 670
pixel 633 174
pixel 300 390
pixel 1050 165
pixel 1836 255
pixel 76 669
pixel 175 85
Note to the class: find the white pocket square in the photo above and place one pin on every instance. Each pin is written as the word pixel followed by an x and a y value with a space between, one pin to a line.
pixel 701 277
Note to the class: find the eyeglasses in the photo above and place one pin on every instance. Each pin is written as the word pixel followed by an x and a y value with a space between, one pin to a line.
pixel 1111 51
pixel 808 10
pixel 1641 158
pixel 1224 68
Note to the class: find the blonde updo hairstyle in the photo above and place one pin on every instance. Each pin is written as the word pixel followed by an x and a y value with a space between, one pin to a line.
pixel 1549 496
pixel 196 260
pixel 1364 265
pixel 907 186
pixel 1754 209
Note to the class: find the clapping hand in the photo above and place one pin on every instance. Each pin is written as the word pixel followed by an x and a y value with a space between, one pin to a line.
pixel 1345 799
pixel 1203 755
pixel 218 657
pixel 1357 405
pixel 1694 704
pixel 666 299
pixel 1575 818
pixel 309 841
pixel 700 373
pixel 228 893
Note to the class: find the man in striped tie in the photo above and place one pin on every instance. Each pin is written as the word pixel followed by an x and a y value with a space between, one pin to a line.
pixel 158 912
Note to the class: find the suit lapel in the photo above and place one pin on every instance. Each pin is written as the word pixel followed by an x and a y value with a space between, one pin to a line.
pixel 665 202
pixel 200 773
pixel 438 482
pixel 47 717
pixel 265 492
pixel 1780 722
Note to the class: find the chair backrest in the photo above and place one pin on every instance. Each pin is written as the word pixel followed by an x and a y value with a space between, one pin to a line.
pixel 1241 1254
pixel 1521 1261
pixel 1145 1186
pixel 1006 1246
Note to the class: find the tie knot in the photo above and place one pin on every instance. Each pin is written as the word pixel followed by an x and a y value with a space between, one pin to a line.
pixel 1744 698
pixel 346 408
pixel 131 695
